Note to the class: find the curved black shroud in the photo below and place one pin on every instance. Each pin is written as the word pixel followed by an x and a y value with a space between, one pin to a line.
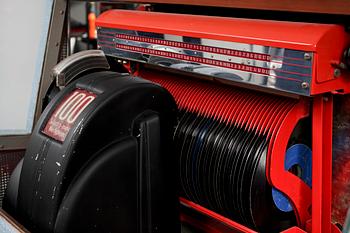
pixel 114 172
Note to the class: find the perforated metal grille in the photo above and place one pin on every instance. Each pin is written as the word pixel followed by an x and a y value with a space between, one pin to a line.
pixel 8 162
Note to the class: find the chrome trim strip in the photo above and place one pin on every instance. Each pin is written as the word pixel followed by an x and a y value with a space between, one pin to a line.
pixel 278 68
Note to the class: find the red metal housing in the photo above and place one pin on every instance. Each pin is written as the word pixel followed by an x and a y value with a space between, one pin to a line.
pixel 326 41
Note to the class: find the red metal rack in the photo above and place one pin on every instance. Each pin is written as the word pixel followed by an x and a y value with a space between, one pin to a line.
pixel 312 206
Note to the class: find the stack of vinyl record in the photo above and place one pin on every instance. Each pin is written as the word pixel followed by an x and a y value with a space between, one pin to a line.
pixel 222 141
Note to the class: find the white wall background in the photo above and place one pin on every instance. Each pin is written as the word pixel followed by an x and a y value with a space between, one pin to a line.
pixel 23 32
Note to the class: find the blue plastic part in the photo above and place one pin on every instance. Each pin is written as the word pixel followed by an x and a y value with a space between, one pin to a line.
pixel 298 154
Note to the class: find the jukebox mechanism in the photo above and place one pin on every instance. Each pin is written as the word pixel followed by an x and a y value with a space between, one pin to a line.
pixel 240 109
pixel 253 138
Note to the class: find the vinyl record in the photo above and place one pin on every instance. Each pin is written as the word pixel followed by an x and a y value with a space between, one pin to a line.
pixel 198 142
pixel 222 140
pixel 223 168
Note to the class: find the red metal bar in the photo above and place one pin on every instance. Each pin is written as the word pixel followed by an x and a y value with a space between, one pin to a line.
pixel 322 122
pixel 230 223
pixel 294 230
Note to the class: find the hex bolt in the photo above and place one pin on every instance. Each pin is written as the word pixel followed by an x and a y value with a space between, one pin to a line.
pixel 304 85
pixel 307 56
pixel 337 72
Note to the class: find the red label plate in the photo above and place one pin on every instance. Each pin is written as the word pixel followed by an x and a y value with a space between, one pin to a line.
pixel 65 114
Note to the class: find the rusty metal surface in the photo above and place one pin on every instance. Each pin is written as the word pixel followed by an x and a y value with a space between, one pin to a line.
pixel 341 158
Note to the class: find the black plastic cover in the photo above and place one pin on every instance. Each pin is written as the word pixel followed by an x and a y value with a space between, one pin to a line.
pixel 129 117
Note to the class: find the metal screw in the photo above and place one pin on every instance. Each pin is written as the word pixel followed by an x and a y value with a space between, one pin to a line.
pixel 61 12
pixel 304 85
pixel 307 56
pixel 337 72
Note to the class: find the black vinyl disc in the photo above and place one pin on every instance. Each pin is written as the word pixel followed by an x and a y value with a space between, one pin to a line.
pixel 192 154
pixel 219 167
pixel 250 154
pixel 186 157
pixel 206 156
pixel 223 168
pixel 179 136
pixel 266 217
pixel 229 166
pixel 240 148
pixel 196 145
pixel 248 176
pixel 202 162
pixel 213 163
pixel 225 171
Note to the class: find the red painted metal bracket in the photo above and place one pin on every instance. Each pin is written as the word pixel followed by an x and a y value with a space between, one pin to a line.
pixel 299 193
pixel 208 228
pixel 322 125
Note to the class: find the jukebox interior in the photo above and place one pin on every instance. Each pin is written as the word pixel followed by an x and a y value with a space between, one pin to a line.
pixel 223 113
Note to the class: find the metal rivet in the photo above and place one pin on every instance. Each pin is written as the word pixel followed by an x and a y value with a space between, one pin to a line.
pixel 337 72
pixel 61 12
pixel 307 56
pixel 304 85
